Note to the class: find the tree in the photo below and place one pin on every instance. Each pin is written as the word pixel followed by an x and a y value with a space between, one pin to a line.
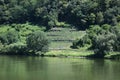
pixel 103 4
pixel 37 42
pixel 99 18
pixel 102 39
pixel 103 44
pixel 50 12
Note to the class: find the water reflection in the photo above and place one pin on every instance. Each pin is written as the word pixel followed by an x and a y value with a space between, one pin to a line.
pixel 37 68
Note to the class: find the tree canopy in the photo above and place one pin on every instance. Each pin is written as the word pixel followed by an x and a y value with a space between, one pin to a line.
pixel 49 13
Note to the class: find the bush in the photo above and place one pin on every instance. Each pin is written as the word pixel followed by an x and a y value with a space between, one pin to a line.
pixel 116 31
pixel 37 42
pixel 102 39
pixel 103 44
pixel 11 36
pixel 14 49
pixel 91 33
pixel 84 41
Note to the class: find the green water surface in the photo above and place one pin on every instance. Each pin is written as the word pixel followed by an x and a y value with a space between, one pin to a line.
pixel 37 68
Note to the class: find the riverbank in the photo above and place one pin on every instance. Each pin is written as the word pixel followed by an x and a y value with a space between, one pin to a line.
pixel 69 53
pixel 113 55
pixel 59 43
pixel 79 53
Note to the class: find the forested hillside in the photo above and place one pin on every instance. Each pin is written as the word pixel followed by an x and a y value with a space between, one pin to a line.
pixel 60 13
pixel 93 24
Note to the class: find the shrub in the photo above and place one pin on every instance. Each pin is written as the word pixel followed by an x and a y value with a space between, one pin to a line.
pixel 37 42
pixel 118 43
pixel 103 44
pixel 102 39
pixel 9 37
pixel 81 42
pixel 14 49
pixel 92 32
pixel 13 38
pixel 116 30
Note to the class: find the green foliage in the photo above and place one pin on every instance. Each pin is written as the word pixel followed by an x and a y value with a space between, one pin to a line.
pixel 103 15
pixel 103 40
pixel 11 36
pixel 87 39
pixel 63 25
pixel 14 49
pixel 99 18
pixel 61 38
pixel 37 42
pixel 103 44
pixel 50 13
pixel 1 46
pixel 82 42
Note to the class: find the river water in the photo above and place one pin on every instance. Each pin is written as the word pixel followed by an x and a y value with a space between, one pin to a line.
pixel 37 68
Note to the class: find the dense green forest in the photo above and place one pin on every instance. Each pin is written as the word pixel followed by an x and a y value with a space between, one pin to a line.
pixel 64 13
pixel 23 23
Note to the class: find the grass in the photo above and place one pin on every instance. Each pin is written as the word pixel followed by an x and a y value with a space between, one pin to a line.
pixel 65 35
pixel 69 53
pixel 79 53
pixel 60 45
pixel 62 38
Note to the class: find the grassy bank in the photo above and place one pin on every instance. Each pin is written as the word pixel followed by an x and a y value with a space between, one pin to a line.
pixel 69 53
pixel 79 53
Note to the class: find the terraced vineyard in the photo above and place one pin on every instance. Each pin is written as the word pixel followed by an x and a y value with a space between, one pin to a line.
pixel 62 38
